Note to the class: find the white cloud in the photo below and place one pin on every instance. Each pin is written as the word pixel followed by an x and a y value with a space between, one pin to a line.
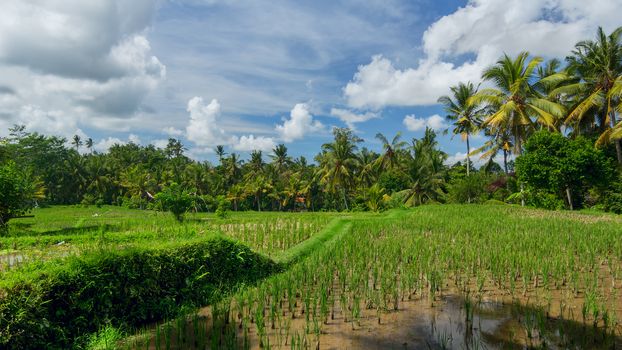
pixel 169 130
pixel 252 143
pixel 105 144
pixel 160 143
pixel 205 132
pixel 299 124
pixel 484 29
pixel 435 122
pixel 203 127
pixel 133 138
pixel 87 63
pixel 351 118
pixel 477 160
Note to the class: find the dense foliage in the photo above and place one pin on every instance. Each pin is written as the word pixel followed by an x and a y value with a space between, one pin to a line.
pixel 560 166
pixel 579 100
pixel 132 287
pixel 17 193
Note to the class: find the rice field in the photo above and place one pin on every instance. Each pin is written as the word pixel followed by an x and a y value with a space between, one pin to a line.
pixel 448 277
pixel 62 231
pixel 436 277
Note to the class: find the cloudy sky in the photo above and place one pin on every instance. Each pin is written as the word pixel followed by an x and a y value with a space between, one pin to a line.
pixel 251 74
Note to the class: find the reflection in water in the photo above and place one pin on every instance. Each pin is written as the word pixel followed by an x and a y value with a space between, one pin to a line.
pixel 452 323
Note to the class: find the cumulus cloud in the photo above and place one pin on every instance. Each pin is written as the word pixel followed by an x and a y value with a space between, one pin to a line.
pixel 351 118
pixel 299 124
pixel 88 63
pixel 252 143
pixel 435 122
pixel 104 145
pixel 483 29
pixel 204 131
pixel 169 130
pixel 203 127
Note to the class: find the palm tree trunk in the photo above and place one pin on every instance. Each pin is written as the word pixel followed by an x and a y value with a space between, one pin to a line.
pixel 505 162
pixel 345 200
pixel 569 196
pixel 258 199
pixel 519 147
pixel 468 159
pixel 612 121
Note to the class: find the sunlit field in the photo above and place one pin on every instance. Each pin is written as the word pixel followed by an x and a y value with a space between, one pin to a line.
pixel 437 276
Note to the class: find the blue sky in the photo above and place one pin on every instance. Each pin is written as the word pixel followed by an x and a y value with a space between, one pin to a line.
pixel 252 74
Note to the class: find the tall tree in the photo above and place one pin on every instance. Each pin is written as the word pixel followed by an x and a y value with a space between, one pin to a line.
pixel 338 162
pixel 515 104
pixel 598 64
pixel 389 159
pixel 76 142
pixel 464 113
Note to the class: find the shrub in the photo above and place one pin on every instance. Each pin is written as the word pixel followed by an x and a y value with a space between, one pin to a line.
pixel 174 199
pixel 60 306
pixel 17 193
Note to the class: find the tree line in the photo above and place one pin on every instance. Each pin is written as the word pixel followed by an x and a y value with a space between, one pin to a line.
pixel 558 119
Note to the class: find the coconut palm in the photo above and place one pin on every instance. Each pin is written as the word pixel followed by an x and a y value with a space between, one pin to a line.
pixel 256 187
pixel 235 195
pixel 391 151
pixel 499 142
pixel 598 64
pixel 256 163
pixel 89 144
pixel 220 152
pixel 338 162
pixel 426 171
pixel 77 142
pixel 280 159
pixel 464 113
pixel 514 103
pixel 233 167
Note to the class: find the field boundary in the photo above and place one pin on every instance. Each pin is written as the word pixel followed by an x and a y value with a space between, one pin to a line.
pixel 335 227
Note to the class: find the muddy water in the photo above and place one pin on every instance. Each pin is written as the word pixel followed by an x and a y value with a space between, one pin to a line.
pixel 417 324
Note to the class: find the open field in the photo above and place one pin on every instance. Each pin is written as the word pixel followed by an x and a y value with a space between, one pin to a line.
pixel 450 276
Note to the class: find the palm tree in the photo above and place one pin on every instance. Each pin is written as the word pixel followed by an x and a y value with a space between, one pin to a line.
pixel 256 163
pixel 256 187
pixel 89 144
pixel 598 64
pixel 499 142
pixel 77 142
pixel 464 113
pixel 235 195
pixel 426 170
pixel 515 100
pixel 368 173
pixel 233 167
pixel 391 151
pixel 338 162
pixel 280 159
pixel 220 152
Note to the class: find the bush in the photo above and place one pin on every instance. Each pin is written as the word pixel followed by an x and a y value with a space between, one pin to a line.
pixel 223 207
pixel 17 193
pixel 176 200
pixel 469 189
pixel 60 306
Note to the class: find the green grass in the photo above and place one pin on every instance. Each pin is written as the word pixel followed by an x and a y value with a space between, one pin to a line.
pixel 570 257
pixel 371 264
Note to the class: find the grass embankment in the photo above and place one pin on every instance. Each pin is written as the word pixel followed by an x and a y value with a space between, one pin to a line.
pixel 562 267
pixel 54 306
pixel 126 281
